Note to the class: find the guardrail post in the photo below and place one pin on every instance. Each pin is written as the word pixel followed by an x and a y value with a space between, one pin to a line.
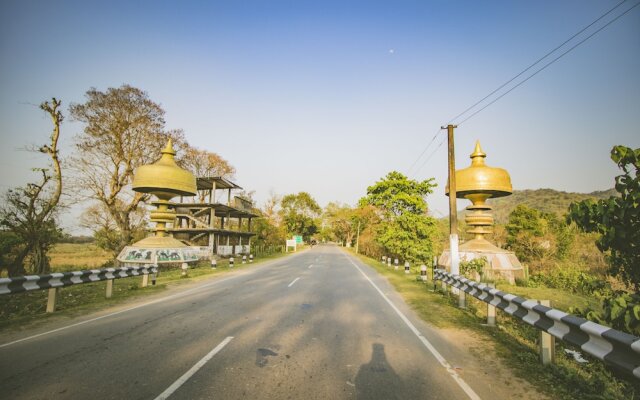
pixel 214 263
pixel 423 273
pixel 145 280
pixel 547 342
pixel 407 268
pixel 491 311
pixel 395 263
pixel 462 300
pixel 109 288
pixel 230 262
pixel 185 269
pixel 51 299
pixel 389 262
pixel 244 259
pixel 250 258
pixel 444 287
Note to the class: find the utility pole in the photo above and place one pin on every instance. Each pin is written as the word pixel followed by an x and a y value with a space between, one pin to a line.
pixel 358 238
pixel 453 210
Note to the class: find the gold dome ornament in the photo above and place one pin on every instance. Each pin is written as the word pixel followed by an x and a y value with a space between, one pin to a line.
pixel 477 183
pixel 165 180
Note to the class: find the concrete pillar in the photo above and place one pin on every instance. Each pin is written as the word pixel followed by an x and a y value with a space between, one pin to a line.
pixel 231 261
pixel 244 259
pixel 52 300
pixel 395 263
pixel 423 273
pixel 214 263
pixel 250 258
pixel 185 269
pixel 145 280
pixel 109 289
pixel 547 343
pixel 407 268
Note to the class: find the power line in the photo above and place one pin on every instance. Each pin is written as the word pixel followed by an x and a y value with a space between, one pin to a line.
pixel 549 63
pixel 431 155
pixel 423 151
pixel 537 62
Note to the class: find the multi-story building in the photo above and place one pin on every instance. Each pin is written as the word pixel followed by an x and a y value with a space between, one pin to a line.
pixel 215 218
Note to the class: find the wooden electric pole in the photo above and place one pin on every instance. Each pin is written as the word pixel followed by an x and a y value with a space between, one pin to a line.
pixel 453 211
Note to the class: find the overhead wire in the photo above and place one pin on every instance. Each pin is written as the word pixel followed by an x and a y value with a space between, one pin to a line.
pixel 548 64
pixel 423 151
pixel 524 80
pixel 431 155
pixel 537 61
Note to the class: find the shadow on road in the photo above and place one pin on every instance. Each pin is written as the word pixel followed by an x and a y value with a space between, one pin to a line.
pixel 376 379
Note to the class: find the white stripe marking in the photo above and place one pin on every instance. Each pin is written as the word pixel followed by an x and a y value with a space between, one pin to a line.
pixel 176 385
pixel 294 281
pixel 463 385
pixel 310 266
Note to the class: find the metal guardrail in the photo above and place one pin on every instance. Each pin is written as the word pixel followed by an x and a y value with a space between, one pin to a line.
pixel 61 279
pixel 618 349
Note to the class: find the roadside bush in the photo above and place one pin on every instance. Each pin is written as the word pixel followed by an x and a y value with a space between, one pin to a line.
pixel 571 279
pixel 620 310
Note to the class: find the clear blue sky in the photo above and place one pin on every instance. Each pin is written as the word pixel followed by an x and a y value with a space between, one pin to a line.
pixel 327 97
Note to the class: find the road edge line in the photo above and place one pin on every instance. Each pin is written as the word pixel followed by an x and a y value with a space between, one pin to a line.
pixel 452 372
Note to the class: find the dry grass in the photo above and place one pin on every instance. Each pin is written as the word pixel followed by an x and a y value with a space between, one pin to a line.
pixel 77 256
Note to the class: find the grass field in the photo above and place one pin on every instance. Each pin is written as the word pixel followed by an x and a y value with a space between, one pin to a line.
pixel 515 341
pixel 77 256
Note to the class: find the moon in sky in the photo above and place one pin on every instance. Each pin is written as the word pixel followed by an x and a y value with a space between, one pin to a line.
pixel 391 51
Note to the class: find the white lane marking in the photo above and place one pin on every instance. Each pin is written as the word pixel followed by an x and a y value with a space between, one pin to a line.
pixel 176 385
pixel 294 281
pixel 310 266
pixel 177 295
pixel 463 385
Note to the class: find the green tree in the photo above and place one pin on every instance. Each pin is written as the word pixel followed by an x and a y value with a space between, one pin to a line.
pixel 29 212
pixel 536 236
pixel 617 219
pixel 405 230
pixel 299 213
pixel 340 220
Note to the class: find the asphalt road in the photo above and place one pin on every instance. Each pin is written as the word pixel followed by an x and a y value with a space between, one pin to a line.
pixel 315 325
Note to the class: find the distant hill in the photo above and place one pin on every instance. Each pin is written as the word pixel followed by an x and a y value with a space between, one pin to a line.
pixel 547 200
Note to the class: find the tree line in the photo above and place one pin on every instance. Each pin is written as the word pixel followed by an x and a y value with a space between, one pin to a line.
pixel 122 130
pixel 593 248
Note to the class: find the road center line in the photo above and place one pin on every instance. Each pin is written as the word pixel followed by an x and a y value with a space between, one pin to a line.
pixel 176 385
pixel 452 372
pixel 294 281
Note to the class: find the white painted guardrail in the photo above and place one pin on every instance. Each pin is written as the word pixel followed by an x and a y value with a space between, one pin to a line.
pixel 57 280
pixel 617 349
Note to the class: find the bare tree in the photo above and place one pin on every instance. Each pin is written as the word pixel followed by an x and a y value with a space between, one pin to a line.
pixel 29 212
pixel 124 129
